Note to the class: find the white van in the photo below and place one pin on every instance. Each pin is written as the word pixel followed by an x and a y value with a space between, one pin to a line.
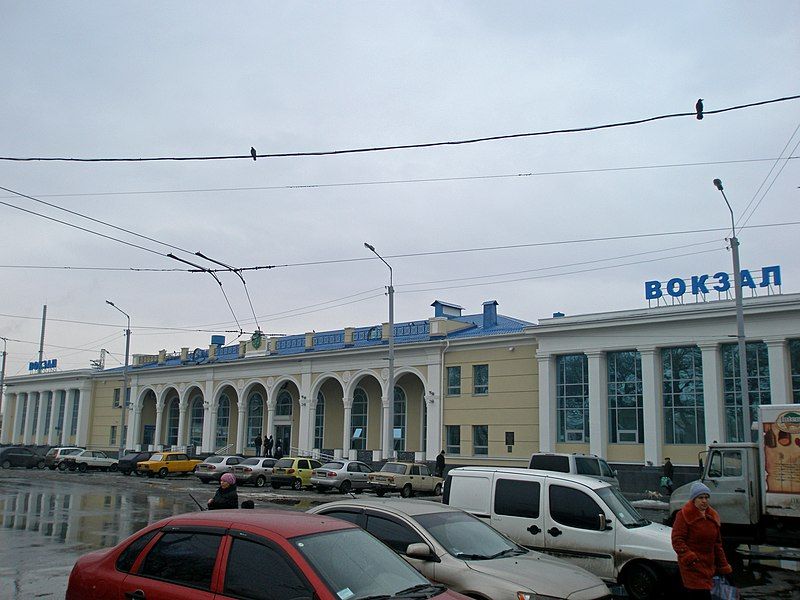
pixel 590 465
pixel 580 519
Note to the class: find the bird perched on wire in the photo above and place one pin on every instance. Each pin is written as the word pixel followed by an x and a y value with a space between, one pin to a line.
pixel 698 107
pixel 253 150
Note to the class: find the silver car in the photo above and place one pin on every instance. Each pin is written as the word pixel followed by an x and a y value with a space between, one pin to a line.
pixel 212 468
pixel 257 471
pixel 342 475
pixel 451 547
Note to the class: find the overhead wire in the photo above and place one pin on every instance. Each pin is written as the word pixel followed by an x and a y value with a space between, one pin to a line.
pixel 764 195
pixel 474 140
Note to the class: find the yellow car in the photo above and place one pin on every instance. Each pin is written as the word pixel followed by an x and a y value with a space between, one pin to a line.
pixel 293 471
pixel 167 463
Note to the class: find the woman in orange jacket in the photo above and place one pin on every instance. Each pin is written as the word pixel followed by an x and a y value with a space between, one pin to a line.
pixel 697 541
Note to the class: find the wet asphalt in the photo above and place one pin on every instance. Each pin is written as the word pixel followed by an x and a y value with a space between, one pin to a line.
pixel 50 518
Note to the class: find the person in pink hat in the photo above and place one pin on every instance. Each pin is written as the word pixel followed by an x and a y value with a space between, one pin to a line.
pixel 226 496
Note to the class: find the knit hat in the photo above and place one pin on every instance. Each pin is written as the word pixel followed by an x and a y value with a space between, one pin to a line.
pixel 230 478
pixel 698 488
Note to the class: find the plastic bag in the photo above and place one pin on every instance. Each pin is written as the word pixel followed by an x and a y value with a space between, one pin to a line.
pixel 723 590
pixel 665 481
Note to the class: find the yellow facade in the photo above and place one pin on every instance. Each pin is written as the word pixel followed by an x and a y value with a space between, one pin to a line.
pixel 103 415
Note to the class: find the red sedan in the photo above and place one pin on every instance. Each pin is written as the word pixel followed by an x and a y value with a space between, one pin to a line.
pixel 249 554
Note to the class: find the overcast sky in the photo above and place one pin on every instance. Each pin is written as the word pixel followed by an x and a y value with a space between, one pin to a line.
pixel 113 79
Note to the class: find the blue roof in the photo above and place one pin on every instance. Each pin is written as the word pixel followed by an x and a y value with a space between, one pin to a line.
pixel 409 332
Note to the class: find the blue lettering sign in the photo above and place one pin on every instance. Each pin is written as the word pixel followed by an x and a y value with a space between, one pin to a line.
pixel 676 286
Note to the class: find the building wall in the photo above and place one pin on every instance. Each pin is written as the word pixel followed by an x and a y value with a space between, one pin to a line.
pixel 103 415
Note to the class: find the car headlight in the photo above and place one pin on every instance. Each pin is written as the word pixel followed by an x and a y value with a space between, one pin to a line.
pixel 533 596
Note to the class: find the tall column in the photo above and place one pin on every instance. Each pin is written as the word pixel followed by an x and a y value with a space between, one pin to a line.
pixel 305 434
pixel 713 399
pixel 182 409
pixel 209 414
pixel 598 403
pixel 9 427
pixel 41 434
pixel 158 434
pixel 84 413
pixel 271 403
pixel 66 418
pixel 547 402
pixel 780 383
pixel 387 441
pixel 134 419
pixel 30 419
pixel 651 405
pixel 51 430
pixel 241 428
pixel 348 416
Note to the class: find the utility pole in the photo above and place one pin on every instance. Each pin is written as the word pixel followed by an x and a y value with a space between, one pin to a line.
pixel 41 338
pixel 124 396
pixel 3 379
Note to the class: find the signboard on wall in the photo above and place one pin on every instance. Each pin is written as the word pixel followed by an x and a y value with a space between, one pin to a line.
pixel 43 365
pixel 780 452
pixel 721 282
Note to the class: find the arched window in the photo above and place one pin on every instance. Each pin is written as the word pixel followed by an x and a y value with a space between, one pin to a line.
pixel 283 407
pixel 173 416
pixel 255 416
pixel 319 421
pixel 196 420
pixel 358 420
pixel 223 421
pixel 399 431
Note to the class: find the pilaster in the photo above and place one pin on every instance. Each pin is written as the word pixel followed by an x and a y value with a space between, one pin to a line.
pixel 547 401
pixel 713 399
pixel 83 400
pixel 652 404
pixel 780 384
pixel 598 403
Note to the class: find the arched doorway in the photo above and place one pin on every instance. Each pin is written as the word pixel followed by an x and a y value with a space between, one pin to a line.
pixel 255 417
pixel 147 428
pixel 195 416
pixel 173 414
pixel 409 423
pixel 283 419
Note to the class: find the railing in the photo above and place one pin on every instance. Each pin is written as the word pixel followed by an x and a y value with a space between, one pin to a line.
pixel 224 449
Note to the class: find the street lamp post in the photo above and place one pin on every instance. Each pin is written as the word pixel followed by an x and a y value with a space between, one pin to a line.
pixel 388 431
pixel 737 287
pixel 124 399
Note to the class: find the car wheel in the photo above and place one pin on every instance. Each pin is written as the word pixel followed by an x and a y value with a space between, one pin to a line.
pixel 275 485
pixel 261 481
pixel 297 484
pixel 162 472
pixel 6 464
pixel 113 468
pixel 40 465
pixel 126 472
pixel 62 466
pixel 641 582
pixel 52 467
pixel 82 468
pixel 407 492
pixel 380 493
pixel 437 491
pixel 345 487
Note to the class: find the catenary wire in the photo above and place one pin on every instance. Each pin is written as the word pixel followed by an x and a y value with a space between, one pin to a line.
pixel 764 195
pixel 409 146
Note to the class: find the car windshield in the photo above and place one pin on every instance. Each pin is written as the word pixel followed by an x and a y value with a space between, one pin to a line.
pixel 215 459
pixel 333 466
pixel 69 451
pixel 157 457
pixel 467 537
pixel 356 566
pixel 249 461
pixel 52 452
pixel 285 462
pixel 620 506
pixel 394 468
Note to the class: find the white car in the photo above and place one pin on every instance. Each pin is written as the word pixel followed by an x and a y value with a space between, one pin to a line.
pixel 88 459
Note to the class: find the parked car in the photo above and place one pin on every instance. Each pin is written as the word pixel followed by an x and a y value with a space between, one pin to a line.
pixel 212 468
pixel 293 471
pixel 406 478
pixel 222 555
pixel 256 470
pixel 577 464
pixel 54 455
pixel 342 475
pixel 88 459
pixel 128 462
pixel 19 456
pixel 451 547
pixel 581 519
pixel 167 463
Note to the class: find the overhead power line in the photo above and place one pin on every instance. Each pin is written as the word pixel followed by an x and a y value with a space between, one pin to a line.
pixel 475 140
pixel 305 186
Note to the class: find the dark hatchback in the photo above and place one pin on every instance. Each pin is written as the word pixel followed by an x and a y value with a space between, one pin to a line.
pixel 127 464
pixel 19 456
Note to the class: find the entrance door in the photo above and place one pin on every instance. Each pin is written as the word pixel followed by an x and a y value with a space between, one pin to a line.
pixel 283 436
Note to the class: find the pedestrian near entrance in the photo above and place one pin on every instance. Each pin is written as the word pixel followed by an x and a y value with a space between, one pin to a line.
pixel 278 451
pixel 666 475
pixel 268 443
pixel 440 464
pixel 226 496
pixel 697 542
pixel 257 444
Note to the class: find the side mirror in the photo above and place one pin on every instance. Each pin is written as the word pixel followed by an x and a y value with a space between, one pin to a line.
pixel 604 526
pixel 421 551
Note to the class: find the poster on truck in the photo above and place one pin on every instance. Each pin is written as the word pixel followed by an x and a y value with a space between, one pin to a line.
pixel 780 445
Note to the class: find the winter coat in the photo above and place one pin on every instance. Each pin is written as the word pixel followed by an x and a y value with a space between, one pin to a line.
pixel 697 541
pixel 225 498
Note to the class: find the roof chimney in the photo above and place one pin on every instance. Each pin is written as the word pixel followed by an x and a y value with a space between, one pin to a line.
pixel 445 309
pixel 489 313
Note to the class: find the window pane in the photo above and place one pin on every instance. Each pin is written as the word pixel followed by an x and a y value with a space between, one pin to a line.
pixel 480 375
pixel 794 354
pixel 480 439
pixel 572 398
pixel 573 508
pixel 740 415
pixel 625 392
pixel 682 388
pixel 131 553
pixel 246 576
pixel 453 381
pixel 183 557
pixel 517 498
pixel 391 533
pixel 453 439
